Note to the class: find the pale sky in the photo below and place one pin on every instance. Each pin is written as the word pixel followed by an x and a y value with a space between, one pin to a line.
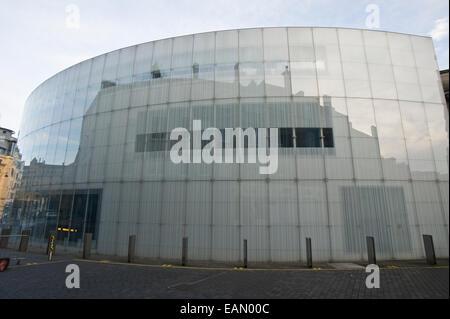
pixel 40 38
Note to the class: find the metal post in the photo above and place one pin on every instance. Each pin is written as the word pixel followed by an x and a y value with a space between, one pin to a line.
pixel 24 239
pixel 131 248
pixel 52 233
pixel 184 251
pixel 245 253
pixel 429 249
pixel 371 250
pixel 308 252
pixel 6 232
pixel 87 246
pixel 51 246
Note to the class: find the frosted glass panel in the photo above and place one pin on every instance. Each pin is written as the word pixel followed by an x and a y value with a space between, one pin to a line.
pixel 328 62
pixel 203 66
pixel 356 79
pixel 250 45
pixel 182 52
pixel 277 76
pixel 133 161
pixel 361 117
pixel 227 49
pixel 251 79
pixel 400 49
pixel 301 47
pixel 143 59
pixel 227 80
pixel 313 218
pixel 382 81
pixel 424 52
pixel 303 62
pixel 275 44
pixel 126 65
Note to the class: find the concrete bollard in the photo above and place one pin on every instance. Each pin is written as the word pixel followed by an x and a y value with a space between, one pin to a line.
pixel 87 246
pixel 6 232
pixel 24 239
pixel 429 249
pixel 371 250
pixel 184 251
pixel 131 248
pixel 308 253
pixel 245 253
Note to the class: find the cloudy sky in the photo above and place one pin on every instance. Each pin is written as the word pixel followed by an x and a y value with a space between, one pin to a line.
pixel 42 37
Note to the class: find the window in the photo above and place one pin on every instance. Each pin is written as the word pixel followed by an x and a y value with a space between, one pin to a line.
pixel 156 142
pixel 195 69
pixel 327 134
pixel 106 84
pixel 151 142
pixel 93 213
pixel 156 74
pixel 285 137
pixel 308 137
pixel 305 137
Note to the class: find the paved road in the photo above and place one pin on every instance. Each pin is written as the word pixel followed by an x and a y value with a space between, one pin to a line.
pixel 36 278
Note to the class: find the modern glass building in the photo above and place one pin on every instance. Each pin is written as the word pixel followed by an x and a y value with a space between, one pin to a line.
pixel 363 147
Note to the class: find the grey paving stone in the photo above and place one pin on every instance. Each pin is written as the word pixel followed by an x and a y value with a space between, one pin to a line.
pixel 114 280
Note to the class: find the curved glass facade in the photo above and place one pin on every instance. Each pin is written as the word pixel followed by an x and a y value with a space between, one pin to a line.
pixel 363 132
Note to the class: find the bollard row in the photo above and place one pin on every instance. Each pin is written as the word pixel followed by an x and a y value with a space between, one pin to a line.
pixel 87 242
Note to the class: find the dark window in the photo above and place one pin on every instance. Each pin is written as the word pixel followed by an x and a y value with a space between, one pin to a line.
pixel 195 69
pixel 156 142
pixel 51 214
pixel 307 137
pixel 285 137
pixel 156 74
pixel 107 84
pixel 328 140
pixel 93 213
pixel 64 215
pixel 78 212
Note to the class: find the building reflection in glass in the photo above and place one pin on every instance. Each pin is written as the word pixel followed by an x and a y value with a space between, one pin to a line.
pixel 360 153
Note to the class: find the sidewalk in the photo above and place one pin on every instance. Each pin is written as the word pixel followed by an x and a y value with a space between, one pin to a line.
pixel 38 278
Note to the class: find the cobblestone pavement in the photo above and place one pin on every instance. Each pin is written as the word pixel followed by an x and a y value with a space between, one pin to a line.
pixel 35 277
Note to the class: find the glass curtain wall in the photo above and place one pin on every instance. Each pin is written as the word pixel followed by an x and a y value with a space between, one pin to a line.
pixel 363 147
